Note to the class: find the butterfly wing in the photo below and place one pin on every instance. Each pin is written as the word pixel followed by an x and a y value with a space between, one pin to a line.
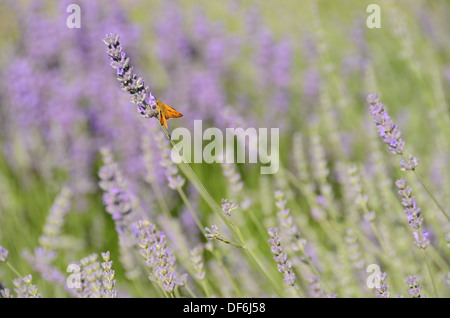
pixel 172 113
pixel 162 119
pixel 166 112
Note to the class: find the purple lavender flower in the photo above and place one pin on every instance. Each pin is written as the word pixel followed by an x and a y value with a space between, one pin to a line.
pixel 108 280
pixel 421 239
pixel 50 239
pixel 91 276
pixel 197 260
pixel 289 228
pixel 158 257
pixel 383 291
pixel 315 286
pixel 6 293
pixel 409 164
pixel 3 255
pixel 130 82
pixel 228 206
pixel 41 261
pixel 212 233
pixel 117 202
pixel 24 287
pixel 414 288
pixel 118 199
pixel 388 130
pixel 354 250
pixel 413 213
pixel 284 266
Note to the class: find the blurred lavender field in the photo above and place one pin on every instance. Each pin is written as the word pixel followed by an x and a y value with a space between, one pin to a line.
pixel 86 180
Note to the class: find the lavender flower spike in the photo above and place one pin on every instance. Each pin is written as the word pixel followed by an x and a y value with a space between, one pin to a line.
pixel 383 291
pixel 413 213
pixel 108 280
pixel 140 94
pixel 414 288
pixel 158 257
pixel 284 266
pixel 388 130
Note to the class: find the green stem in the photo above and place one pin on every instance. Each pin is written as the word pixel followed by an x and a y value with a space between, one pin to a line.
pixel 229 242
pixel 437 258
pixel 431 195
pixel 230 278
pixel 14 270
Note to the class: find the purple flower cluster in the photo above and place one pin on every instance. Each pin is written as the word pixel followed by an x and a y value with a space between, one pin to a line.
pixel 108 280
pixel 124 208
pixel 158 257
pixel 117 198
pixel 198 263
pixel 51 242
pixel 24 287
pixel 90 275
pixel 409 164
pixel 228 206
pixel 130 82
pixel 414 288
pixel 383 291
pixel 41 260
pixel 57 94
pixel 50 239
pixel 284 266
pixel 288 225
pixel 213 232
pixel 388 130
pixel 413 213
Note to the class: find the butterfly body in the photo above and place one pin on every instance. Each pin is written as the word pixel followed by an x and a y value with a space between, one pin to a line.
pixel 166 112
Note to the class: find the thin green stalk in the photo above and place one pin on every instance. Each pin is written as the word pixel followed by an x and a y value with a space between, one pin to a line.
pixel 262 231
pixel 437 258
pixel 226 271
pixel 229 242
pixel 14 269
pixel 432 196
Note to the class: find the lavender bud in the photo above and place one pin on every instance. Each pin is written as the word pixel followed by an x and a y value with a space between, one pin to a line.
pixel 227 207
pixel 409 164
pixel 3 255
pixel 414 288
pixel 212 233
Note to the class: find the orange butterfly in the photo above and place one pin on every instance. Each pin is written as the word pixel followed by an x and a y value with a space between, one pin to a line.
pixel 166 112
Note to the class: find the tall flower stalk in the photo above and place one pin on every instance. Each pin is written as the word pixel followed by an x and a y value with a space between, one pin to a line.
pixel 391 135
